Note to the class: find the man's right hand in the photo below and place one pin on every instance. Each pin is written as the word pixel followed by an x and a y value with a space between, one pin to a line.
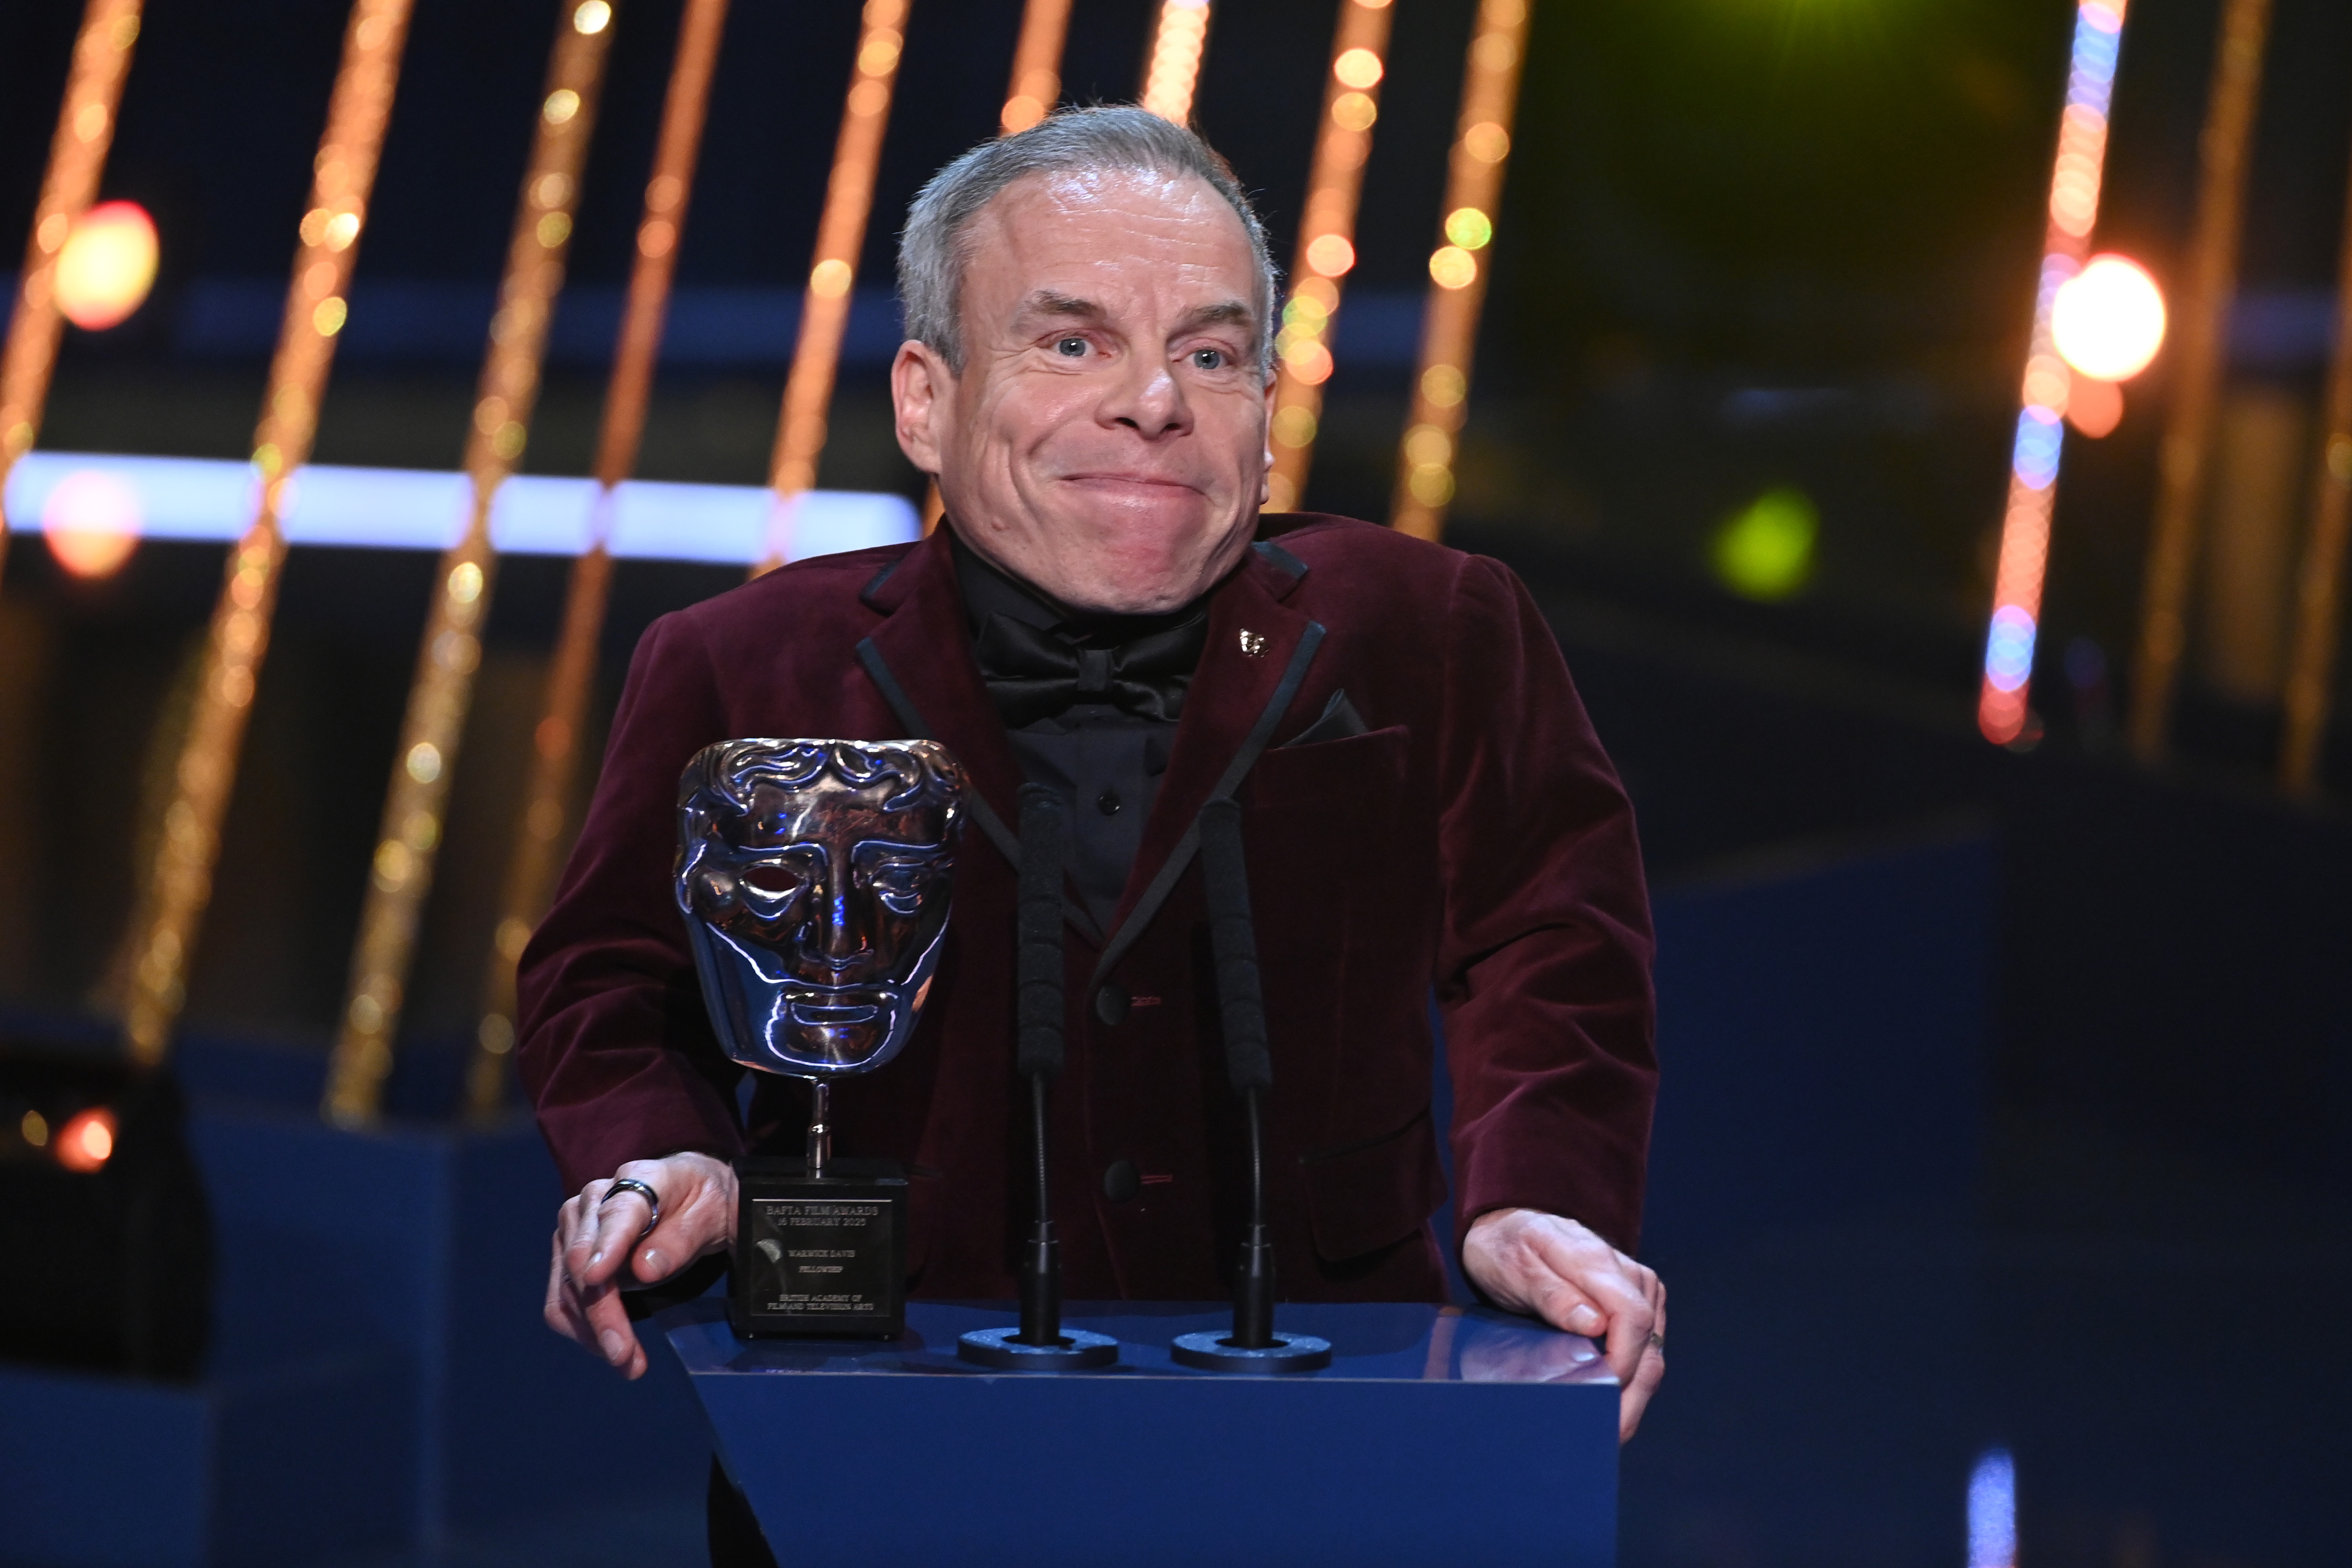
pixel 595 1239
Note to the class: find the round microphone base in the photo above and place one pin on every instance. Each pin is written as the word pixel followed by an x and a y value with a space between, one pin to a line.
pixel 998 1349
pixel 1213 1351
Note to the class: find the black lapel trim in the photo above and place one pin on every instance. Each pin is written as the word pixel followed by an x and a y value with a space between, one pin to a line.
pixel 878 669
pixel 1281 559
pixel 1285 691
pixel 873 586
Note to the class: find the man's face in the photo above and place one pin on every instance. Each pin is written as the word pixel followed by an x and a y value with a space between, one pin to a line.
pixel 1106 438
pixel 816 907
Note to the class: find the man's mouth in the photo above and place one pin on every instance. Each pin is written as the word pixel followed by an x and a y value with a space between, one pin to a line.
pixel 1137 481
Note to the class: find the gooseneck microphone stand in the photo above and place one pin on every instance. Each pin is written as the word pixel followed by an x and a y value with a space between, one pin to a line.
pixel 1040 1344
pixel 1255 1345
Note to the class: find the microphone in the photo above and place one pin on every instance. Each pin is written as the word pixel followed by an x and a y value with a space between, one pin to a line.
pixel 1039 1343
pixel 1255 1345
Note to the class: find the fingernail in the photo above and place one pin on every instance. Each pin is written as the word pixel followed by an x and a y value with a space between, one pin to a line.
pixel 1584 1320
pixel 611 1340
pixel 595 1258
pixel 653 1257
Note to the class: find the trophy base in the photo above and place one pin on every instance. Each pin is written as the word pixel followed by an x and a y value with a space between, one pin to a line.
pixel 819 1256
pixel 1211 1351
pixel 997 1348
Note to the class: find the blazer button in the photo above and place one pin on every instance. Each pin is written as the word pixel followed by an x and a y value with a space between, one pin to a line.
pixel 1110 1004
pixel 1121 1181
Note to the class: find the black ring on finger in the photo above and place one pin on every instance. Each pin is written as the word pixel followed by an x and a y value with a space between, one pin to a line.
pixel 631 1185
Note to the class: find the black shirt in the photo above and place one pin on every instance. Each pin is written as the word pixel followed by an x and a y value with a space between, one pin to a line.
pixel 1104 761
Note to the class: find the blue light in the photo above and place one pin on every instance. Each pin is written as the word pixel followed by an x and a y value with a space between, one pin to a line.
pixel 2096 50
pixel 2039 437
pixel 407 508
pixel 2009 648
pixel 1992 1512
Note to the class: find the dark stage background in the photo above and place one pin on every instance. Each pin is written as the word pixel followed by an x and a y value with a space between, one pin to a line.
pixel 2008 1094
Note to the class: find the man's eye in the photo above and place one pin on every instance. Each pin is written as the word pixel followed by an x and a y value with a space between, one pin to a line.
pixel 1070 348
pixel 1209 359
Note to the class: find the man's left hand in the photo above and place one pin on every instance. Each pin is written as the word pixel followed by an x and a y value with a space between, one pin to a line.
pixel 1526 1261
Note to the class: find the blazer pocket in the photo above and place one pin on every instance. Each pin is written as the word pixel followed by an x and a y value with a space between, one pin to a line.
pixel 1363 1196
pixel 1366 770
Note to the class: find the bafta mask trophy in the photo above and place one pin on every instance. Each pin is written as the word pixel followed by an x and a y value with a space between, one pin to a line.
pixel 815 878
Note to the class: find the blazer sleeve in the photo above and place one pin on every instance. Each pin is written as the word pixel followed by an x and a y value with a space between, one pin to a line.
pixel 615 1050
pixel 1543 976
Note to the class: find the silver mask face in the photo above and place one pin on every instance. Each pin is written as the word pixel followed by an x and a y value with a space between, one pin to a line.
pixel 815 878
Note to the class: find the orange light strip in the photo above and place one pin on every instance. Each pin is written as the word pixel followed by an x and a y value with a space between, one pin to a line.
pixel 555 740
pixel 2319 584
pixel 802 426
pixel 2202 336
pixel 1036 85
pixel 1458 268
pixel 165 921
pixel 417 801
pixel 101 58
pixel 1173 69
pixel 1327 242
pixel 2015 625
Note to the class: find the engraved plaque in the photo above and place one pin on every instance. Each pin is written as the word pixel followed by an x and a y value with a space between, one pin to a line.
pixel 822 1255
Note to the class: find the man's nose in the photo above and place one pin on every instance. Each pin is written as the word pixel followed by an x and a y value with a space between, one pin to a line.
pixel 1149 399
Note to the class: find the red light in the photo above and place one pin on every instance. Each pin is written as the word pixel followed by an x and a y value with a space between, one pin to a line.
pixel 87 1140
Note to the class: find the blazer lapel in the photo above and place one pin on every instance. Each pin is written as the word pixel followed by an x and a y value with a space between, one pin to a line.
pixel 1254 666
pixel 921 656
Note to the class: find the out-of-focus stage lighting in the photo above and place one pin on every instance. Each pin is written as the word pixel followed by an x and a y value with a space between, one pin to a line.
pixel 2108 319
pixel 1992 1512
pixel 86 1141
pixel 2074 210
pixel 212 500
pixel 2094 407
pixel 1177 44
pixel 108 266
pixel 92 519
pixel 1765 551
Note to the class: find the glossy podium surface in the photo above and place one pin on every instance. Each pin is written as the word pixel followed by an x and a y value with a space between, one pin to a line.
pixel 1436 1435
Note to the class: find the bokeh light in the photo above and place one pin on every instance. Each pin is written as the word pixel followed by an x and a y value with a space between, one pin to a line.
pixel 1765 550
pixel 87 1140
pixel 2001 710
pixel 1992 1512
pixel 108 266
pixel 91 522
pixel 2094 407
pixel 2108 319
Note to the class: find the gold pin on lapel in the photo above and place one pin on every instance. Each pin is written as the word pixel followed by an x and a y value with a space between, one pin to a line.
pixel 1254 643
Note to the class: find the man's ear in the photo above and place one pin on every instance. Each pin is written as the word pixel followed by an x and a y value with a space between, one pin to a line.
pixel 1266 474
pixel 921 390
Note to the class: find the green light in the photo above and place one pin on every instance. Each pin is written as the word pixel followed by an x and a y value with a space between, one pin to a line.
pixel 1766 550
pixel 1469 228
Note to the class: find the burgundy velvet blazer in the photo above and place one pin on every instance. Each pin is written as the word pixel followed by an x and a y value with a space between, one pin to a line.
pixel 1473 844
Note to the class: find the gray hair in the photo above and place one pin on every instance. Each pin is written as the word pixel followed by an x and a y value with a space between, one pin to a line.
pixel 932 251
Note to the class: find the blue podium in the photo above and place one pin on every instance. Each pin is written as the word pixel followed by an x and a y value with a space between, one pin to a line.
pixel 1437 1435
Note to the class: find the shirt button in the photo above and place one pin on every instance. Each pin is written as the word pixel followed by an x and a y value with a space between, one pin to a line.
pixel 1120 1181
pixel 1108 803
pixel 1110 1004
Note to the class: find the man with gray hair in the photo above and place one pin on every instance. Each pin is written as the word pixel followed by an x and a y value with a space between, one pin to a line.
pixel 1105 611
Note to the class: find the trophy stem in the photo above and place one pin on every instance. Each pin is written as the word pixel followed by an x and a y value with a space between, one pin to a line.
pixel 820 1132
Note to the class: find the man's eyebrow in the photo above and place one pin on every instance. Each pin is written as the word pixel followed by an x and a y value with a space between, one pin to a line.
pixel 1228 313
pixel 1046 303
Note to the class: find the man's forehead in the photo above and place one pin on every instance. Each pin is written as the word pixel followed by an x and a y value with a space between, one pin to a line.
pixel 1080 233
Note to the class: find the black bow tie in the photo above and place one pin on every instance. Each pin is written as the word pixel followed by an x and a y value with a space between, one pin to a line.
pixel 1033 674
